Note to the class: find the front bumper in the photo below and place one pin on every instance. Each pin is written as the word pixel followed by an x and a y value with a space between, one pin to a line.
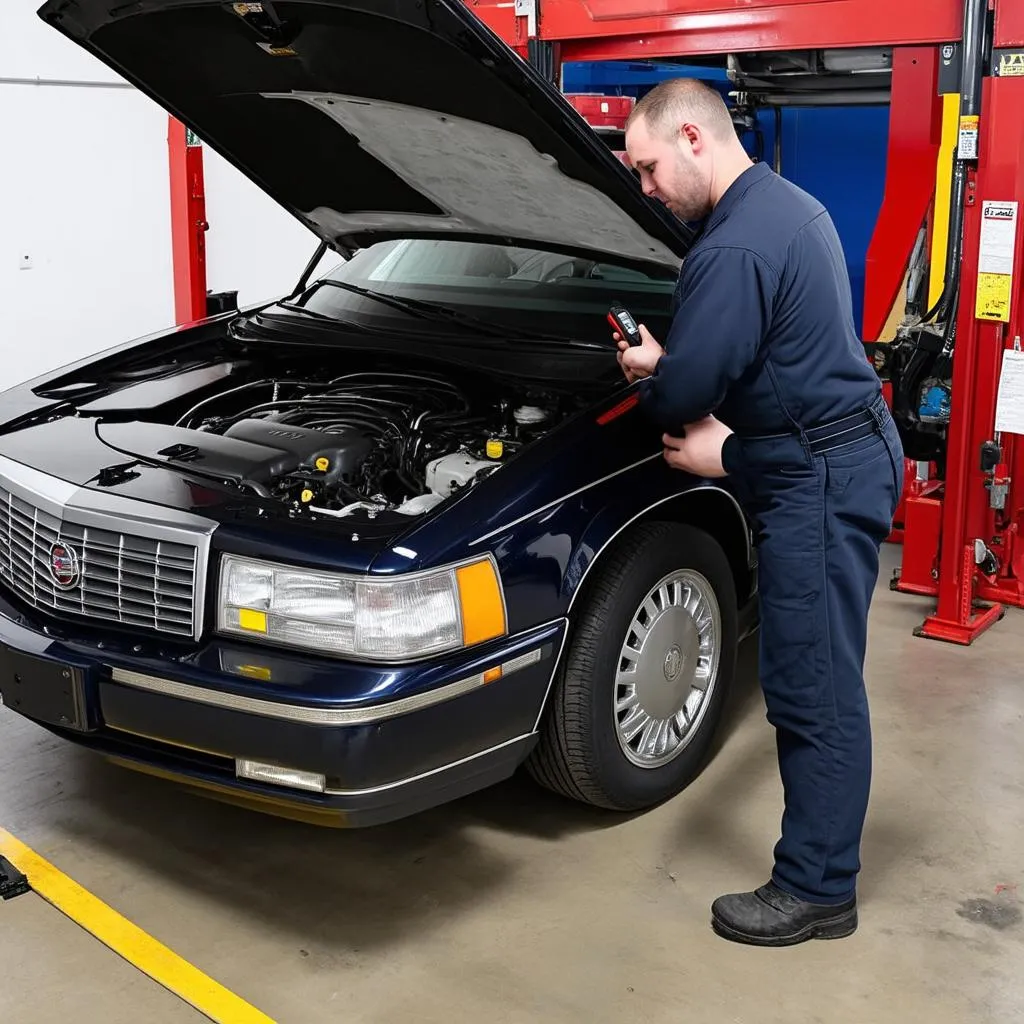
pixel 437 730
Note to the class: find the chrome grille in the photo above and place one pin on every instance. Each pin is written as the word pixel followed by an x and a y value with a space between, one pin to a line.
pixel 137 581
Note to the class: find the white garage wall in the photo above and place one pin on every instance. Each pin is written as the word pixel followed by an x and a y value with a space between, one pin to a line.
pixel 253 246
pixel 34 50
pixel 85 200
pixel 84 195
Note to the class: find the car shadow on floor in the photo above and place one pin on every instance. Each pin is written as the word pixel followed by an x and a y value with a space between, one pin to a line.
pixel 342 890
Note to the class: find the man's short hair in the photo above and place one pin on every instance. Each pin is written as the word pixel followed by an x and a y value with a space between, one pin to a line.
pixel 672 102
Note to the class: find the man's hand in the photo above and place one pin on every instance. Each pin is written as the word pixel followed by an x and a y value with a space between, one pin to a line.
pixel 638 361
pixel 700 451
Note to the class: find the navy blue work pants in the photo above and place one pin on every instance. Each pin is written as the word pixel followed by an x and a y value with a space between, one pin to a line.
pixel 822 502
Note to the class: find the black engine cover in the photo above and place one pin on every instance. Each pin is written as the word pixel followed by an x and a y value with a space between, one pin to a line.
pixel 344 447
pixel 249 452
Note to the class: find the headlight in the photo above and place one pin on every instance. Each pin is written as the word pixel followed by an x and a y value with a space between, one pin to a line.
pixel 383 619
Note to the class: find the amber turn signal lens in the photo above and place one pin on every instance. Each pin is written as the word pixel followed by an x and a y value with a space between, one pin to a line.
pixel 483 610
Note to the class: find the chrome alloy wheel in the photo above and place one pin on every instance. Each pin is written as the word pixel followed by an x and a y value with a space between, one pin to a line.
pixel 667 669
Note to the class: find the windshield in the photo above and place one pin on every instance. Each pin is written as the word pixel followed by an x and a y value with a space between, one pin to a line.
pixel 523 290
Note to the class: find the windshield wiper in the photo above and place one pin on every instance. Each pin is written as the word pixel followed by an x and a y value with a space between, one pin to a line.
pixel 326 318
pixel 447 315
pixel 292 307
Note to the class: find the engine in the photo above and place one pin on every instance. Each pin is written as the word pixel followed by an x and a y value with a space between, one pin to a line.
pixel 364 442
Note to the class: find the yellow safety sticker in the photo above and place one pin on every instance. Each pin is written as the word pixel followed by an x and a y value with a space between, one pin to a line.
pixel 996 257
pixel 993 300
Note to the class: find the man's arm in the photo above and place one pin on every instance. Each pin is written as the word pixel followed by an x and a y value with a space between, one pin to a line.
pixel 726 300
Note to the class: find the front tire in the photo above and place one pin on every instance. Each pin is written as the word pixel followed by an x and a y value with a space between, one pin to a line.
pixel 651 658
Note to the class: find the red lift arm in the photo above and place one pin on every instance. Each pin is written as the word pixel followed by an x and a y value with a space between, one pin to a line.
pixel 915 137
pixel 944 524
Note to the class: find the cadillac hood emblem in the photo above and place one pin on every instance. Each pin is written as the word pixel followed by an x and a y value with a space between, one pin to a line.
pixel 63 566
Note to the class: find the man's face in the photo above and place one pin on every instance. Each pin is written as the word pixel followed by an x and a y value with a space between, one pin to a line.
pixel 669 170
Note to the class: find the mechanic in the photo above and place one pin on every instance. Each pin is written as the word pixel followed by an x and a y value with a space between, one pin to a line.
pixel 763 380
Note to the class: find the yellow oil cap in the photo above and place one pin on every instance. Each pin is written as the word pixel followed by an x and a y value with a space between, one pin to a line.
pixel 307 495
pixel 495 448
pixel 323 465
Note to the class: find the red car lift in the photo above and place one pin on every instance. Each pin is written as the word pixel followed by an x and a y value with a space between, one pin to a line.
pixel 961 535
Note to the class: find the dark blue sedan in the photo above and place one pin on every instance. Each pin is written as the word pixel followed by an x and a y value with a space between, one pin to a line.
pixel 383 541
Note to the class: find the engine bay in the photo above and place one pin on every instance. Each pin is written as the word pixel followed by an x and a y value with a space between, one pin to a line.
pixel 357 444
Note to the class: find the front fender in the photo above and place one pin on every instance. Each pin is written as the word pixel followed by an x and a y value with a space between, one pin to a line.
pixel 547 516
pixel 701 503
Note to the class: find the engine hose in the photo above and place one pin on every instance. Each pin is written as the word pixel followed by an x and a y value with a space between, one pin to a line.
pixel 397 403
pixel 366 407
pixel 351 410
pixel 221 395
pixel 387 380
pixel 257 488
pixel 441 400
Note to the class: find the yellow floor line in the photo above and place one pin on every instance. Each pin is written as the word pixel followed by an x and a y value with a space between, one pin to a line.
pixel 129 941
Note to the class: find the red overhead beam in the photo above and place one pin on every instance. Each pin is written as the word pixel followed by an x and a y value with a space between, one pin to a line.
pixel 631 29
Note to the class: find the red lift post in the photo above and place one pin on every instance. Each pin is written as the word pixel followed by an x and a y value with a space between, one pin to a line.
pixel 915 139
pixel 971 497
pixel 188 222
pixel 944 522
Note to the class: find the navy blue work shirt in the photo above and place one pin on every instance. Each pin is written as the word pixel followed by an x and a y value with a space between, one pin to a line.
pixel 763 333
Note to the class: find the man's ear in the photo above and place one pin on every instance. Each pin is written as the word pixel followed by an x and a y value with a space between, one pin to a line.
pixel 692 134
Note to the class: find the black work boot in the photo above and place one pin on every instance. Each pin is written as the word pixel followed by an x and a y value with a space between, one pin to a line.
pixel 770 917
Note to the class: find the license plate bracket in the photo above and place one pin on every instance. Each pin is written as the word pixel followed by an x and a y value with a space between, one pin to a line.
pixel 46 691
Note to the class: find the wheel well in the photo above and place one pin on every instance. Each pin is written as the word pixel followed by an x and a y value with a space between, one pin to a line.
pixel 710 509
pixel 715 512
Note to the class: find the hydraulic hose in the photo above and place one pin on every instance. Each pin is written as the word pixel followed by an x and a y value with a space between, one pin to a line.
pixel 954 245
pixel 975 45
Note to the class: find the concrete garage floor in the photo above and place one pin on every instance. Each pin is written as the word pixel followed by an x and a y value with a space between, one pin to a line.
pixel 515 906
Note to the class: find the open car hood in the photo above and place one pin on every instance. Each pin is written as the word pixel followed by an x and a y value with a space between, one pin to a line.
pixel 376 119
